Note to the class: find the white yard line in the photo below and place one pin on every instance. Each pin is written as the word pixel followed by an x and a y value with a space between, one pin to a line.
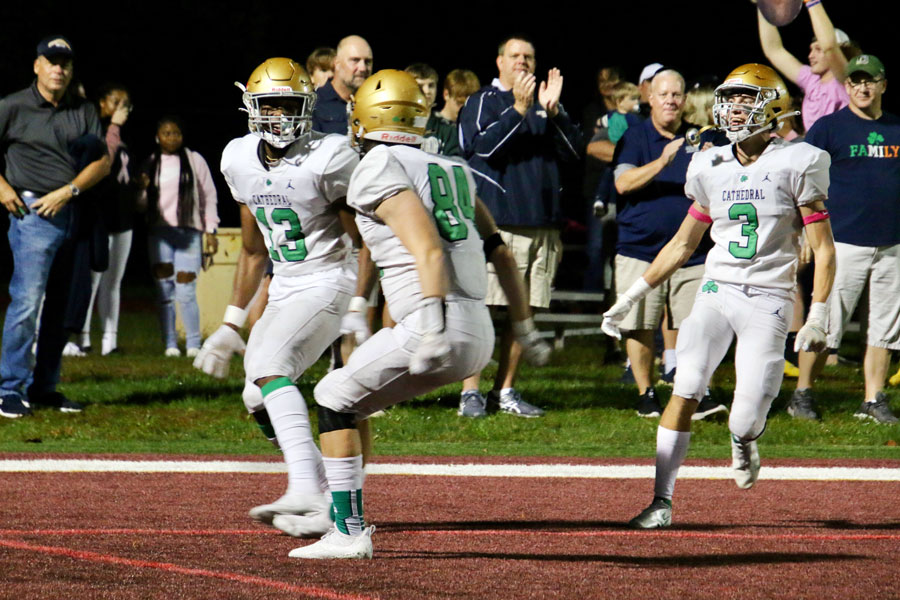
pixel 451 470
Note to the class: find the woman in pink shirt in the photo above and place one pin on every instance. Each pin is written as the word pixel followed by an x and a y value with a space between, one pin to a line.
pixel 181 207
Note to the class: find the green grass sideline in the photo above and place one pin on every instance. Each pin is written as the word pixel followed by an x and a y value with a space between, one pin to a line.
pixel 142 402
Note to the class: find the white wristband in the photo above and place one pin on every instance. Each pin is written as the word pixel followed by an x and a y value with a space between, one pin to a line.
pixel 638 290
pixel 817 314
pixel 358 304
pixel 235 315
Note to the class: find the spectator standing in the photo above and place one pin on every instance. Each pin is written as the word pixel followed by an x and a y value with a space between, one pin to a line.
pixel 650 170
pixel 862 140
pixel 181 207
pixel 39 127
pixel 116 195
pixel 441 136
pixel 352 65
pixel 513 139
pixel 822 79
pixel 320 66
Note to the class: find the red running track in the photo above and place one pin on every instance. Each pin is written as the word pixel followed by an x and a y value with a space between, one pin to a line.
pixel 123 536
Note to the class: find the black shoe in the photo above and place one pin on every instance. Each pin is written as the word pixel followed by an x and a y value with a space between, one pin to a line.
pixel 707 407
pixel 802 405
pixel 879 410
pixel 666 379
pixel 56 400
pixel 648 404
pixel 13 407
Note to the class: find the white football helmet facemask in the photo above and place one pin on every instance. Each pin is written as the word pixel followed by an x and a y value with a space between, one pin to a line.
pixel 273 82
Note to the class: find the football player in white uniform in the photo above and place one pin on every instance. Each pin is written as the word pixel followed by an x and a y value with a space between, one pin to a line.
pixel 291 183
pixel 758 193
pixel 420 218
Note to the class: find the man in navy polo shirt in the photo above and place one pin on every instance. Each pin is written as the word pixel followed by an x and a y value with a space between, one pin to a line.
pixel 650 168
pixel 352 65
pixel 864 202
pixel 42 127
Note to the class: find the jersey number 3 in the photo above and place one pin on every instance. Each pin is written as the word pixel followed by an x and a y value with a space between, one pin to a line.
pixel 294 233
pixel 748 230
pixel 447 209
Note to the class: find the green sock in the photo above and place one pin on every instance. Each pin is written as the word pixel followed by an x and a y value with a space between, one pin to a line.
pixel 348 512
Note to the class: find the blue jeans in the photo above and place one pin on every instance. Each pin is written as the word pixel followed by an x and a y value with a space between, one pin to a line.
pixel 37 270
pixel 179 247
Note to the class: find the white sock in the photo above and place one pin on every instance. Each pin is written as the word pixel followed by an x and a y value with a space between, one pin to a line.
pixel 671 448
pixel 108 343
pixel 290 420
pixel 669 360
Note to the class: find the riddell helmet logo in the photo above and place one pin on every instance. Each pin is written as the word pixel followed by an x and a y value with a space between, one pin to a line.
pixel 400 138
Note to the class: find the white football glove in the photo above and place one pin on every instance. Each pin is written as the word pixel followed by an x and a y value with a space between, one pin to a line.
pixel 811 337
pixel 214 357
pixel 354 320
pixel 616 314
pixel 433 352
pixel 535 350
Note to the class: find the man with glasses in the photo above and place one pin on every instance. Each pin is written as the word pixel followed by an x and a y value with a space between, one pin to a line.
pixel 864 144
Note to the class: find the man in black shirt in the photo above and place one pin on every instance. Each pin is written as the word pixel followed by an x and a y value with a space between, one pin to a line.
pixel 46 131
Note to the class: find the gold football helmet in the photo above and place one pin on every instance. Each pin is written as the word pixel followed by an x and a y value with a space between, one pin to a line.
pixel 389 107
pixel 771 105
pixel 279 83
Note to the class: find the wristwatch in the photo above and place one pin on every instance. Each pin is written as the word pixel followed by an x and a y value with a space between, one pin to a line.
pixel 74 189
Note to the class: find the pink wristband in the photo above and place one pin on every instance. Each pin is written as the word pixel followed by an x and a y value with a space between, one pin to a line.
pixel 699 215
pixel 816 216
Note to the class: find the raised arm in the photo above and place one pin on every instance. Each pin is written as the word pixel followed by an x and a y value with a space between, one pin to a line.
pixel 775 51
pixel 825 36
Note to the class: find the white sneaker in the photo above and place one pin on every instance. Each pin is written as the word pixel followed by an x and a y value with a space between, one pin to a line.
pixel 310 525
pixel 192 352
pixel 744 463
pixel 291 504
pixel 172 352
pixel 335 544
pixel 72 349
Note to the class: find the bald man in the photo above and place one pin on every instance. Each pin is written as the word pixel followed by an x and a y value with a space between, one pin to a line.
pixel 352 65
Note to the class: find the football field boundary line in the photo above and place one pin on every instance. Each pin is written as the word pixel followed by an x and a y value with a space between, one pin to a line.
pixel 448 470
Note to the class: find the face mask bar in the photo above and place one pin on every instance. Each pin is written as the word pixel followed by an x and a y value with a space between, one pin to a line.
pixel 278 130
pixel 756 122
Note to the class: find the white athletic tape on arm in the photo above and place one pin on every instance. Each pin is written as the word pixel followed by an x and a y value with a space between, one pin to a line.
pixel 235 315
pixel 358 304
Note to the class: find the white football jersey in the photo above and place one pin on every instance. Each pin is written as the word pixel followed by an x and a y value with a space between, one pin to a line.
pixel 293 201
pixel 756 223
pixel 447 191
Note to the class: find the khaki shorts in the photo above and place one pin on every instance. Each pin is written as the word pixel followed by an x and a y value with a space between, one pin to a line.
pixel 537 252
pixel 879 267
pixel 677 294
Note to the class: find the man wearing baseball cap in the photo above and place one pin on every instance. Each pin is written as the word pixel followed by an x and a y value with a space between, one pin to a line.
pixel 44 130
pixel 864 143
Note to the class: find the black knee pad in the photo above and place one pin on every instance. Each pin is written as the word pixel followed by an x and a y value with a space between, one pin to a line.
pixel 265 425
pixel 330 420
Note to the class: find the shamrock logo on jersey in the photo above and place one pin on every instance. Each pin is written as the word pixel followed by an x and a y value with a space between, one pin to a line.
pixel 268 182
pixel 875 138
pixel 710 287
pixel 744 178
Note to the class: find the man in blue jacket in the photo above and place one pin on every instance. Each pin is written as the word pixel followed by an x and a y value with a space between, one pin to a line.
pixel 513 132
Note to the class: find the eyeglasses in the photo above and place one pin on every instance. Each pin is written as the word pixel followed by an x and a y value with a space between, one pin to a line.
pixel 868 83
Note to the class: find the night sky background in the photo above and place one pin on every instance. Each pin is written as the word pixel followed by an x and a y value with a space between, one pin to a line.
pixel 184 58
